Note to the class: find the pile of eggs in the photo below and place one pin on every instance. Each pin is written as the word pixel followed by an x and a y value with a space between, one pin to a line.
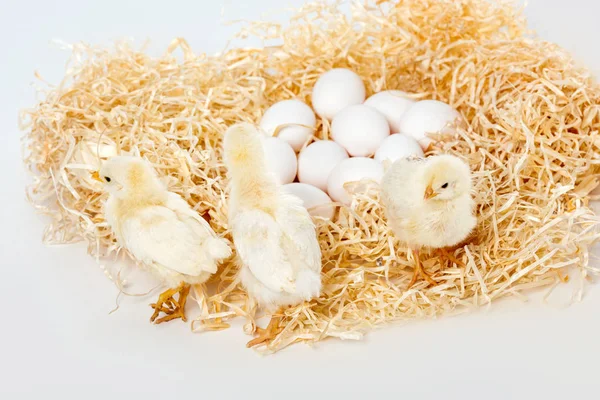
pixel 388 126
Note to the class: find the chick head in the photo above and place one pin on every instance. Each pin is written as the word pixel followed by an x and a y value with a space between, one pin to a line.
pixel 126 175
pixel 242 144
pixel 446 178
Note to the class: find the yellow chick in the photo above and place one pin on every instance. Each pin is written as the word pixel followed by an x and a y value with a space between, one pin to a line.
pixel 428 204
pixel 273 233
pixel 160 229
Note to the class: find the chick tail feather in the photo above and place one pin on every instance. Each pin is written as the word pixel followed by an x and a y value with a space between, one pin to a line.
pixel 308 283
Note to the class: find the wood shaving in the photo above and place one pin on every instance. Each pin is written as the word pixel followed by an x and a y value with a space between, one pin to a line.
pixel 530 135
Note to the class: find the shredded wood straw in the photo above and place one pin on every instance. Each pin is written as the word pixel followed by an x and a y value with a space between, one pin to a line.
pixel 530 135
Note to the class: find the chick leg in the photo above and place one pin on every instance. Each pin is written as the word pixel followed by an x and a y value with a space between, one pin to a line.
pixel 265 335
pixel 167 304
pixel 419 271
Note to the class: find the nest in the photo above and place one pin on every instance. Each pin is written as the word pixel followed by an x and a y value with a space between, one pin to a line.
pixel 530 135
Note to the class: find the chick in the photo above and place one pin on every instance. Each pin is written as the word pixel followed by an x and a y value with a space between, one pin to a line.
pixel 428 204
pixel 273 233
pixel 159 229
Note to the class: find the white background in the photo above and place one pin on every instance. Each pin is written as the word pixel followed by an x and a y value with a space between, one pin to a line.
pixel 56 337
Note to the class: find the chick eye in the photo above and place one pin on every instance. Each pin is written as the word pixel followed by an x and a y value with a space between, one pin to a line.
pixel 445 185
pixel 107 179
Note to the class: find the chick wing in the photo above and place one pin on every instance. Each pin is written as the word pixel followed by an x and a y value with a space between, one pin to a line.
pixel 259 241
pixel 301 244
pixel 157 235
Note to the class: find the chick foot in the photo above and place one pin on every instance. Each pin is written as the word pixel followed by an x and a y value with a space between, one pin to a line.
pixel 266 335
pixel 167 304
pixel 449 256
pixel 419 271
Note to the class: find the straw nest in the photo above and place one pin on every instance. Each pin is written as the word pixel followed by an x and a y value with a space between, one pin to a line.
pixel 530 136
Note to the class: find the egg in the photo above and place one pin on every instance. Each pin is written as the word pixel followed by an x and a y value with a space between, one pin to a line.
pixel 281 159
pixel 398 146
pixel 314 199
pixel 427 116
pixel 360 130
pixel 317 160
pixel 392 104
pixel 352 170
pixel 336 90
pixel 299 117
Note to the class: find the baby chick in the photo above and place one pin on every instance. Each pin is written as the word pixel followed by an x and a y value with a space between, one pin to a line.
pixel 159 229
pixel 428 204
pixel 273 233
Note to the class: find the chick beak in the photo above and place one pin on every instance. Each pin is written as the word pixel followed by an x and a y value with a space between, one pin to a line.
pixel 96 176
pixel 429 193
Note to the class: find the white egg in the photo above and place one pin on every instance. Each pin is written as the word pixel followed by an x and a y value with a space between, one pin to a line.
pixel 352 170
pixel 427 116
pixel 314 199
pixel 360 130
pixel 336 90
pixel 292 112
pixel 317 160
pixel 392 104
pixel 398 146
pixel 281 159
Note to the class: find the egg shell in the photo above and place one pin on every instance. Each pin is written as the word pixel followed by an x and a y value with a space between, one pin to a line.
pixel 335 90
pixel 317 160
pixel 86 154
pixel 314 199
pixel 427 116
pixel 392 104
pixel 290 112
pixel 398 146
pixel 352 170
pixel 360 130
pixel 281 159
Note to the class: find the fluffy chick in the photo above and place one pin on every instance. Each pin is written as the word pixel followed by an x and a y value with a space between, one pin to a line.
pixel 159 229
pixel 273 233
pixel 428 204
